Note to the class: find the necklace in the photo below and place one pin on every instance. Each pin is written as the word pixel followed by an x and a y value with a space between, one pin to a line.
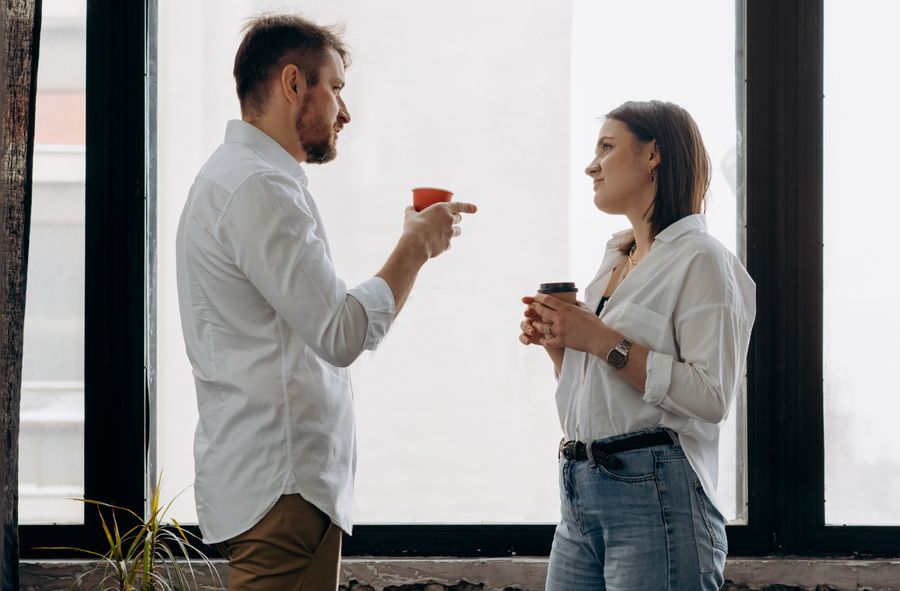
pixel 631 262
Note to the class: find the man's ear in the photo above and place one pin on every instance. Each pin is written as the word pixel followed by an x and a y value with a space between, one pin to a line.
pixel 292 84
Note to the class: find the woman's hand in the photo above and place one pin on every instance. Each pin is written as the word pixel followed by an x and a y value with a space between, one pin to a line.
pixel 560 324
pixel 530 335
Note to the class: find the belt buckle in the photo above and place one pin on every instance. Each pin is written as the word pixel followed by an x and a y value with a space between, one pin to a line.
pixel 568 450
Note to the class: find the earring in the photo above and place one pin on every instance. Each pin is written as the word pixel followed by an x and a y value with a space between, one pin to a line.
pixel 652 175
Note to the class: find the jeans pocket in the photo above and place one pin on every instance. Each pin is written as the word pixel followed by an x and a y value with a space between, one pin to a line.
pixel 630 467
pixel 705 532
pixel 624 478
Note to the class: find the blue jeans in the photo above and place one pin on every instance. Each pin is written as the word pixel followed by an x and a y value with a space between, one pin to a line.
pixel 646 525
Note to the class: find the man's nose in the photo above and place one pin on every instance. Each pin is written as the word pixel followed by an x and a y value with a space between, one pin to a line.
pixel 343 113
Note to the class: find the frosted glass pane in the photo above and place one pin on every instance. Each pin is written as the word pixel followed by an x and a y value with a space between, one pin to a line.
pixel 861 323
pixel 51 440
pixel 497 101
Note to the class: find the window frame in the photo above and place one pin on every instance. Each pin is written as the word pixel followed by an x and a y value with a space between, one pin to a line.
pixel 779 77
pixel 784 123
pixel 115 442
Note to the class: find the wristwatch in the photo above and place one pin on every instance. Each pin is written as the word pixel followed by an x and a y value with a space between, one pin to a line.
pixel 618 355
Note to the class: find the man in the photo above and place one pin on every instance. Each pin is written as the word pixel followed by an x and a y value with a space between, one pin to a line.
pixel 270 328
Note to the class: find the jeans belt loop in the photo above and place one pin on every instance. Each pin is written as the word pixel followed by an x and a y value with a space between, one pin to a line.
pixel 674 437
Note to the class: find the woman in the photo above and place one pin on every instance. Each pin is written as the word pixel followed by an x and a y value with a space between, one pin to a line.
pixel 647 369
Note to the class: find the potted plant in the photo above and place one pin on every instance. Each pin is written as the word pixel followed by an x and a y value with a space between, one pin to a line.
pixel 153 555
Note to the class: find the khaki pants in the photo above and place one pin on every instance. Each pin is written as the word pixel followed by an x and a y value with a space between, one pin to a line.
pixel 295 547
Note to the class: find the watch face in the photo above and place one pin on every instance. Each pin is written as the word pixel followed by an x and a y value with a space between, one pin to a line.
pixel 616 358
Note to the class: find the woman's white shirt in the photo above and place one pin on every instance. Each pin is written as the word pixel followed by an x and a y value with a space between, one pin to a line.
pixel 692 304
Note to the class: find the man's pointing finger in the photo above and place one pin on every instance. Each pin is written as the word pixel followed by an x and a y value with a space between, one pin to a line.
pixel 462 207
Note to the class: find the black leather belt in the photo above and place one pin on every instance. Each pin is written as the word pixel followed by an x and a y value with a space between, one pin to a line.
pixel 603 452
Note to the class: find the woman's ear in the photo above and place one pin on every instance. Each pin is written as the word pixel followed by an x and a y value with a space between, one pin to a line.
pixel 654 159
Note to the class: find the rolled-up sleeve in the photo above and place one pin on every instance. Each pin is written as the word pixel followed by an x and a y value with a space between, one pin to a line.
pixel 712 325
pixel 272 234
pixel 659 376
pixel 702 384
pixel 377 300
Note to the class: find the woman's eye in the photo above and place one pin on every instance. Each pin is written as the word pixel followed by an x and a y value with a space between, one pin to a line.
pixel 606 147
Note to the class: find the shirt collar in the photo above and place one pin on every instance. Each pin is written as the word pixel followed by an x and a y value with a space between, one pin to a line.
pixel 241 132
pixel 692 223
pixel 620 239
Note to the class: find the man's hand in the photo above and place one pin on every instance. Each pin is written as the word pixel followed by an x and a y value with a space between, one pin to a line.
pixel 436 225
pixel 426 234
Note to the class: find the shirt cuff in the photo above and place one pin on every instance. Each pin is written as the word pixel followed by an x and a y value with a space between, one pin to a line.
pixel 377 300
pixel 659 376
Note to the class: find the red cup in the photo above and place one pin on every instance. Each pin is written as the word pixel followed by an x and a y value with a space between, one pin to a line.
pixel 425 196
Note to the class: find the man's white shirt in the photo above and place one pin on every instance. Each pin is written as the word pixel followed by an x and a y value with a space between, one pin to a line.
pixel 692 304
pixel 270 330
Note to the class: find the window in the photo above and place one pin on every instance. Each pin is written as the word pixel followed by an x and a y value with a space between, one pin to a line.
pixel 507 118
pixel 113 172
pixel 862 464
pixel 51 461
pixel 778 168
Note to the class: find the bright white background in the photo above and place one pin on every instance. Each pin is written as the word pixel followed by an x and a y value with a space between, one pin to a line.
pixel 500 102
pixel 51 437
pixel 861 324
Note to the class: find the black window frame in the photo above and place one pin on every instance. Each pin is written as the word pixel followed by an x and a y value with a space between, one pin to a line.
pixel 115 413
pixel 780 90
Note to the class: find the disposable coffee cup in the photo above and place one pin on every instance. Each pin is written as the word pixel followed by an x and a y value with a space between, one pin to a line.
pixel 566 292
pixel 425 196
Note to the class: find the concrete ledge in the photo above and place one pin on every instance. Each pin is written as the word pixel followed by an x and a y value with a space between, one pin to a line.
pixel 527 574
pixel 857 575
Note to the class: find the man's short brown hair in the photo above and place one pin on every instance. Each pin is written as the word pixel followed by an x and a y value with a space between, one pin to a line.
pixel 271 42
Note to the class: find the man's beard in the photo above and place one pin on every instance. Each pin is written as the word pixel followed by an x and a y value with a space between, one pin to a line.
pixel 316 138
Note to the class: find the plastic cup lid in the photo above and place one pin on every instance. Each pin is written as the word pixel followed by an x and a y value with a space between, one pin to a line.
pixel 557 287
